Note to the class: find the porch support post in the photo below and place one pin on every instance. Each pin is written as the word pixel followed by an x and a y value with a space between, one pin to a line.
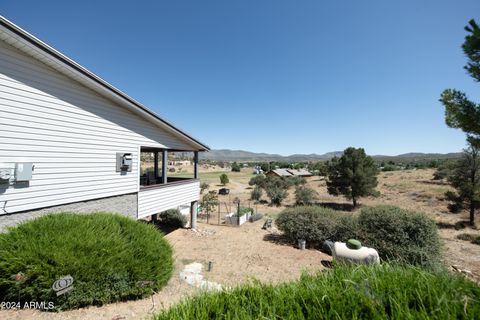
pixel 193 214
pixel 164 166
pixel 195 165
pixel 155 164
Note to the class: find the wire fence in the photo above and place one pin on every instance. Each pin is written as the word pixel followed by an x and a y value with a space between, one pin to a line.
pixel 228 213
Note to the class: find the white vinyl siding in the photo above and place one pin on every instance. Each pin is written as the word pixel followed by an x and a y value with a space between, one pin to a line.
pixel 156 200
pixel 69 132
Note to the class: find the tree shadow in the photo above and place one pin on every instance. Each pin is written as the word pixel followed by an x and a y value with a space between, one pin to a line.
pixel 279 239
pixel 338 206
pixel 433 182
pixel 459 225
pixel 163 228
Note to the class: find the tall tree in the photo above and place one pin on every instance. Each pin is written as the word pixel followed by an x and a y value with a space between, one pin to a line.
pixel 460 112
pixel 465 178
pixel 464 114
pixel 353 175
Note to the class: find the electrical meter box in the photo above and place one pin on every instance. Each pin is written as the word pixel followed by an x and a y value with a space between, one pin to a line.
pixel 15 172
pixel 23 171
pixel 5 175
pixel 124 162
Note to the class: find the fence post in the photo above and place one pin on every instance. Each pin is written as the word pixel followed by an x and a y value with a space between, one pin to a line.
pixel 238 212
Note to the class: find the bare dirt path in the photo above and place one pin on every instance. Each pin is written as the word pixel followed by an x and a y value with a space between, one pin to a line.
pixel 238 254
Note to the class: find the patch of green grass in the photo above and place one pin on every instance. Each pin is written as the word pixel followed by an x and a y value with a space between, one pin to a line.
pixel 346 292
pixel 213 176
pixel 110 257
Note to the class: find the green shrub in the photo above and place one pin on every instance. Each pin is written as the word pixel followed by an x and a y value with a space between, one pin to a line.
pixel 399 234
pixel 276 195
pixel 315 225
pixel 256 194
pixel 173 218
pixel 348 292
pixel 305 196
pixel 224 179
pixel 259 180
pixel 110 257
pixel 243 211
pixel 395 233
pixel 236 167
pixel 295 181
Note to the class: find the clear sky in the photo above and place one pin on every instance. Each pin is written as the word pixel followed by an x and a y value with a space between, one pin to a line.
pixel 275 76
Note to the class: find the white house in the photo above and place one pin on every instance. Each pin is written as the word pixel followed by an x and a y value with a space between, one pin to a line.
pixel 71 141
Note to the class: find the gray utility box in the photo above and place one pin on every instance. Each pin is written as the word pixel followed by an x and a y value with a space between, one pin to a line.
pixel 11 173
pixel 23 171
pixel 124 162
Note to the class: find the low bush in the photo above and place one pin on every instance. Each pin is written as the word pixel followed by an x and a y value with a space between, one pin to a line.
pixel 236 167
pixel 315 225
pixel 256 193
pixel 173 218
pixel 347 292
pixel 295 181
pixel 305 196
pixel 110 258
pixel 395 233
pixel 401 235
pixel 276 194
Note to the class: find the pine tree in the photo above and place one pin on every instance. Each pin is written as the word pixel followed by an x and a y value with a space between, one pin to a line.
pixel 460 112
pixel 353 175
pixel 464 114
pixel 465 178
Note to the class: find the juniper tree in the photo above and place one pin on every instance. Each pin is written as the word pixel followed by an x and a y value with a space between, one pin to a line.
pixel 224 179
pixel 353 175
pixel 236 167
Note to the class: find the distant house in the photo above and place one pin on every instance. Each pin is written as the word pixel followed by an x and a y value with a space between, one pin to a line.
pixel 289 173
pixel 69 141
pixel 300 172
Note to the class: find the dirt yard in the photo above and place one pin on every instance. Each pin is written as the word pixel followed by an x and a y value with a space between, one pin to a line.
pixel 239 254
pixel 408 189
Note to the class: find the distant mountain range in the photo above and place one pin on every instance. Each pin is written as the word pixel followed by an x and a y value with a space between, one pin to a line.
pixel 247 156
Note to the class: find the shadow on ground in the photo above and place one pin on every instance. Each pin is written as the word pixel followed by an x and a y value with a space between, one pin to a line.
pixel 277 239
pixel 165 229
pixel 434 182
pixel 457 225
pixel 337 206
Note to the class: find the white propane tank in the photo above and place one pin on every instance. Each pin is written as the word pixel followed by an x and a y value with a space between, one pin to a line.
pixel 342 253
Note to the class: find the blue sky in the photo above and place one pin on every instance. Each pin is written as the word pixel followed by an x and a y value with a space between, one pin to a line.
pixel 275 76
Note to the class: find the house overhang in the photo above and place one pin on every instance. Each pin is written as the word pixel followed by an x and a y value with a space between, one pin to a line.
pixel 42 52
